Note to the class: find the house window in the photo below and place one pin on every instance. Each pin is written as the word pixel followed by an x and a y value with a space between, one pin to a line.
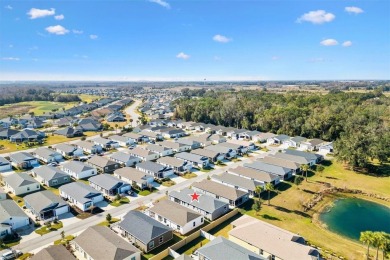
pixel 161 239
pixel 216 196
pixel 201 220
pixel 193 224
pixel 38 186
pixel 55 182
pixel 261 251
pixel 165 220
pixel 151 244
pixel 28 188
pixel 272 257
pixel 178 227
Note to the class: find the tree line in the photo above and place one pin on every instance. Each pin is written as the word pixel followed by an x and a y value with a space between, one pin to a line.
pixel 357 122
pixel 12 95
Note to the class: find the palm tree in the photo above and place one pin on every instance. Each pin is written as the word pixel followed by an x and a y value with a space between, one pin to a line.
pixel 269 187
pixel 258 190
pixel 305 168
pixel 116 128
pixel 384 244
pixel 366 237
pixel 131 122
pixel 376 242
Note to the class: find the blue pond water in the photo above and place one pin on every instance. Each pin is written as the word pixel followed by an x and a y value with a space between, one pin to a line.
pixel 349 217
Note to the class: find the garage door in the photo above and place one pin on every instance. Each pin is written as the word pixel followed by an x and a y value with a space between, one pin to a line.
pixel 62 210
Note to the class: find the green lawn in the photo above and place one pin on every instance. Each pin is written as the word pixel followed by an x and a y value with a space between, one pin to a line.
pixel 106 223
pixel 168 183
pixel 25 256
pixel 120 202
pixel 189 175
pixel 55 190
pixel 223 228
pixel 19 200
pixel 145 192
pixel 64 241
pixel 44 230
pixel 208 169
pixel 193 246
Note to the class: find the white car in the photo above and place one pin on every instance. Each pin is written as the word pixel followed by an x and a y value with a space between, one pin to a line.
pixel 11 255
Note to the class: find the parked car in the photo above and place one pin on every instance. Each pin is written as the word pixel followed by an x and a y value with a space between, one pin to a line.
pixel 132 193
pixel 11 254
pixel 53 164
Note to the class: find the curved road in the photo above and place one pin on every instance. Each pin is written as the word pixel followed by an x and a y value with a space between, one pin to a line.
pixel 132 111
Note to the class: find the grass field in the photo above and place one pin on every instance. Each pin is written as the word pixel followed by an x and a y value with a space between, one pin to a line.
pixel 106 223
pixel 286 209
pixel 44 230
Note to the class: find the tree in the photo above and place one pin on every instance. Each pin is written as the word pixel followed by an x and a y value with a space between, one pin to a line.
pixel 384 244
pixel 131 121
pixel 256 206
pixel 376 242
pixel 269 187
pixel 118 197
pixel 320 168
pixel 366 238
pixel 305 168
pixel 258 190
pixel 297 180
pixel 108 218
pixel 62 234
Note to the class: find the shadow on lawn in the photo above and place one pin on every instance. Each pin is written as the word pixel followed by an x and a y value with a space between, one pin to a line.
pixel 266 216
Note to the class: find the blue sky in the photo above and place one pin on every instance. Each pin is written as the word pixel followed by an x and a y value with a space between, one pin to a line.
pixel 193 40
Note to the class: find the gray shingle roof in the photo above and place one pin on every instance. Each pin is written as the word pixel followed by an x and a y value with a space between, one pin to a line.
pixel 100 161
pixel 21 157
pixel 308 156
pixel 175 212
pixel 157 148
pixel 122 157
pixel 280 162
pixel 290 157
pixel 204 152
pixel 221 249
pixel 43 199
pixel 206 202
pixel 106 181
pixel 219 189
pixel 143 227
pixel 133 174
pixel 3 161
pixel 191 157
pixel 278 170
pixel 253 174
pixel 19 180
pixel 101 243
pixel 76 166
pixel 49 172
pixel 79 191
pixel 151 166
pixel 171 161
pixel 118 138
pixel 8 209
pixel 54 252
pixel 237 181
pixel 67 148
pixel 141 152
pixel 46 152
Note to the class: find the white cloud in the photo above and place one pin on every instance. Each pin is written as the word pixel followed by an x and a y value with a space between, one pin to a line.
pixel 57 29
pixel 39 13
pixel 93 37
pixel 221 38
pixel 275 58
pixel 316 17
pixel 77 31
pixel 354 9
pixel 347 44
pixel 10 46
pixel 59 17
pixel 162 3
pixel 8 7
pixel 183 56
pixel 11 58
pixel 329 42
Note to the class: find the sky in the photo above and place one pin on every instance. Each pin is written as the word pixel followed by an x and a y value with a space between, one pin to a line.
pixel 163 40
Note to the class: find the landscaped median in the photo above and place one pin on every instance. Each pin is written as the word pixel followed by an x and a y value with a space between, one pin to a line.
pixel 49 227
pixel 119 202
pixel 108 223
pixel 64 240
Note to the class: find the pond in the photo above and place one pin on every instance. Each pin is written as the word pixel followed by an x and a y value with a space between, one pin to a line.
pixel 349 217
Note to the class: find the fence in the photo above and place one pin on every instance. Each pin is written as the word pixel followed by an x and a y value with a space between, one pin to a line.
pixel 195 235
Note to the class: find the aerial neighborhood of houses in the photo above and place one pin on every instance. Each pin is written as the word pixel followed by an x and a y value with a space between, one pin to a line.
pixel 180 180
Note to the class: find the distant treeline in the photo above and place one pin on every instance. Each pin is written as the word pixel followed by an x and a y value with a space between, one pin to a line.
pixel 18 94
pixel 359 122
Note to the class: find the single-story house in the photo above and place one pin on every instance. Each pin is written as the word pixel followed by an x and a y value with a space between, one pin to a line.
pixel 250 135
pixel 121 140
pixel 101 243
pixel 143 154
pixel 176 216
pixel 326 148
pixel 5 165
pixel 135 138
pixel 134 177
pixel 81 195
pixel 263 137
pixel 222 192
pixel 7 133
pixel 106 144
pixel 312 145
pixel 309 156
pixel 295 167
pixel 221 149
pixel 293 158
pixel 278 139
pixel 124 159
pixel 12 217
pixel 244 145
pixel 47 155
pixel 50 176
pixel 102 164
pixel 53 252
pixel 221 248
pixel 210 207
pixel 46 205
pixel 155 169
pixel 27 135
pixel 23 160
pixel 3 194
pixel 294 141
pixel 194 159
pixel 160 150
pixel 179 166
pixel 115 117
pixel 89 124
pixel 89 147
pixel 255 175
pixel 21 183
pixel 238 148
pixel 176 146
pixel 144 231
pixel 269 241
pixel 217 139
pixel 282 172
pixel 190 142
pixel 173 133
pixel 213 156
pixel 79 170
pixel 236 133
pixel 69 150
pixel 151 135
pixel 238 183
pixel 69 132
pixel 108 184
